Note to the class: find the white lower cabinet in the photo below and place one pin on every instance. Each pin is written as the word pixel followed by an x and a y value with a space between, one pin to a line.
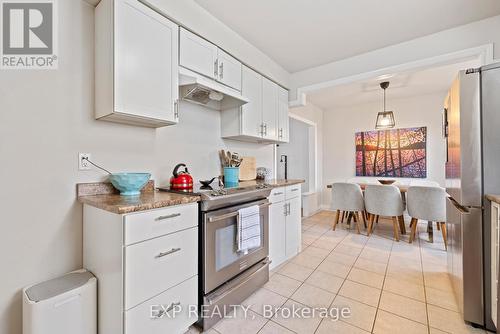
pixel 285 238
pixel 168 312
pixel 293 227
pixel 154 266
pixel 148 280
pixel 277 233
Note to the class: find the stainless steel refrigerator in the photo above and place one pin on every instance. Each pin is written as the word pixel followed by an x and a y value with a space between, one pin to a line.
pixel 472 133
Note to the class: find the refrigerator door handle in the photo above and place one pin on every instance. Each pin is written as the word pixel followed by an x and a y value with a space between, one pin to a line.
pixel 463 209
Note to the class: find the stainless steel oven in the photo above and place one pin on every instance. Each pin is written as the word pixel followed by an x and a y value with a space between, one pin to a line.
pixel 227 277
pixel 222 261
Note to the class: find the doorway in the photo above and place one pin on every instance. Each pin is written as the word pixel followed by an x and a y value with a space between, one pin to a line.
pixel 300 155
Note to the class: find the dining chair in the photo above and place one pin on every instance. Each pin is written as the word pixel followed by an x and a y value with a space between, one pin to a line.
pixel 386 201
pixel 348 197
pixel 427 203
pixel 424 183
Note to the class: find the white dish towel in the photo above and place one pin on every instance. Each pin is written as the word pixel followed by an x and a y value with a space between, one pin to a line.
pixel 248 228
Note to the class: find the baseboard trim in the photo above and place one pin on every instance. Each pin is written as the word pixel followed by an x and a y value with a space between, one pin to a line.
pixel 325 207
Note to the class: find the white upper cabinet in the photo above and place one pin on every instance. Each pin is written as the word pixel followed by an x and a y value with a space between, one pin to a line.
pixel 229 72
pixel 198 54
pixel 283 120
pixel 251 112
pixel 203 57
pixel 264 118
pixel 269 109
pixel 136 64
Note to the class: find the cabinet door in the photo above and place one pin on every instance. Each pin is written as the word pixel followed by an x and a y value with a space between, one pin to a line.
pixel 277 234
pixel 283 121
pixel 293 227
pixel 229 70
pixel 251 112
pixel 198 54
pixel 146 62
pixel 270 109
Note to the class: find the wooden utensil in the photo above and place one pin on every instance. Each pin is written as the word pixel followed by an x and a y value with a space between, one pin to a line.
pixel 248 169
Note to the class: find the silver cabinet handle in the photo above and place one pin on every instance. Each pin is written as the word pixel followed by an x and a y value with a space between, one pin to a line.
pixel 279 193
pixel 221 70
pixel 171 307
pixel 173 215
pixel 172 251
pixel 162 312
pixel 262 130
pixel 296 189
pixel 289 210
pixel 216 68
pixel 281 133
pixel 176 109
pixel 265 129
pixel 285 211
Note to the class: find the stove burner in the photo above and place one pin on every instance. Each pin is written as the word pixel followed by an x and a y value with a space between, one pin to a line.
pixel 218 192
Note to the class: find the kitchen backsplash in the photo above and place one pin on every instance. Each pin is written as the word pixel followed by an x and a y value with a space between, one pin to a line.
pixel 196 140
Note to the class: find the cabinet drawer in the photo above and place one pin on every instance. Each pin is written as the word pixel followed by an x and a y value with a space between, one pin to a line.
pixel 145 318
pixel 277 195
pixel 151 224
pixel 293 191
pixel 156 265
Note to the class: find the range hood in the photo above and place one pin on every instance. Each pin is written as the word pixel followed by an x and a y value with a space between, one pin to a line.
pixel 198 89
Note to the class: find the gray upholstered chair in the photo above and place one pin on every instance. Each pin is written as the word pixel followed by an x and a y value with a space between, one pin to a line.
pixel 348 197
pixel 427 203
pixel 383 200
pixel 423 183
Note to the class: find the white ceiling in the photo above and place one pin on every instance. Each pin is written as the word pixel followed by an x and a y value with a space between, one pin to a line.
pixel 300 34
pixel 402 85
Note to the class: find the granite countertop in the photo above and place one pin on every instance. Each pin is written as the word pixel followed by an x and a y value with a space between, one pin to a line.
pixel 103 196
pixel 493 198
pixel 275 183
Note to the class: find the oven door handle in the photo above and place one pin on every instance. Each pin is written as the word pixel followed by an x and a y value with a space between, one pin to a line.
pixel 232 214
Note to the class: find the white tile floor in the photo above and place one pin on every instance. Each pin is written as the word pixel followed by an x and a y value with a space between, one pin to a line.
pixel 390 287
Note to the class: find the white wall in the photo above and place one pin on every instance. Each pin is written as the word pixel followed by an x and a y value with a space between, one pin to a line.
pixel 196 18
pixel 46 118
pixel 340 125
pixel 464 37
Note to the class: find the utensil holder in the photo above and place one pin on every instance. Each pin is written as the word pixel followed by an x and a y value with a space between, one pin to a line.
pixel 231 175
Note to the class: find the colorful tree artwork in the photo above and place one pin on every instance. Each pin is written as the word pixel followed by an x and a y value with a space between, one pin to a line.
pixel 393 153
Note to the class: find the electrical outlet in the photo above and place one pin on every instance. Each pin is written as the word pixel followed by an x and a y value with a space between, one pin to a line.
pixel 83 164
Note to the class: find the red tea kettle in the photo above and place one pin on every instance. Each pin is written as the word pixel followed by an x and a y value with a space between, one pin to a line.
pixel 181 180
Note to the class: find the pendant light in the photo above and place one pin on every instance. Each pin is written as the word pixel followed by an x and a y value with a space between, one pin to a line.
pixel 385 119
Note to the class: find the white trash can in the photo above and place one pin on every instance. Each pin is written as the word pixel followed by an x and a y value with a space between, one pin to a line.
pixel 63 305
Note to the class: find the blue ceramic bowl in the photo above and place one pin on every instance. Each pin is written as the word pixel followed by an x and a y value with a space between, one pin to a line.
pixel 129 184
